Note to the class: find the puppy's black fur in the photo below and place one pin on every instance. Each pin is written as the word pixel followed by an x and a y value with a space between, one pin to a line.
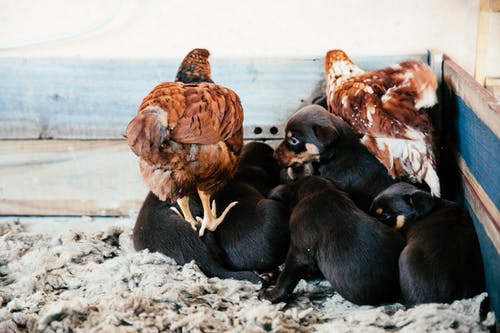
pixel 313 135
pixel 253 236
pixel 354 251
pixel 442 260
pixel 160 229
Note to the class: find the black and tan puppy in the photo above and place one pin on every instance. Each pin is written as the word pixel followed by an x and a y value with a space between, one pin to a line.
pixel 254 236
pixel 354 251
pixel 441 261
pixel 313 135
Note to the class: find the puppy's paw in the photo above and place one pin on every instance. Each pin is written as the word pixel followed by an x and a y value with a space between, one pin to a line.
pixel 272 294
pixel 269 278
pixel 265 294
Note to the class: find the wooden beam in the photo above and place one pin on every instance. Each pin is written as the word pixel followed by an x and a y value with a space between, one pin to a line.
pixel 96 98
pixel 495 5
pixel 69 177
pixel 493 85
pixel 482 41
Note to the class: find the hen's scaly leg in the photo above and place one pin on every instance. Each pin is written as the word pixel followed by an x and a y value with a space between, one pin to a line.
pixel 210 221
pixel 184 206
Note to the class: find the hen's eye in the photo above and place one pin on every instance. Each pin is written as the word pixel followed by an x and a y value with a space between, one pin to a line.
pixel 293 141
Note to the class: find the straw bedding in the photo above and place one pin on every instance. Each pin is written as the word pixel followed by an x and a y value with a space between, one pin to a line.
pixel 94 281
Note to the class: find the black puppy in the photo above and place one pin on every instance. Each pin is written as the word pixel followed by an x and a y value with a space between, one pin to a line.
pixel 254 235
pixel 159 229
pixel 313 135
pixel 442 260
pixel 354 251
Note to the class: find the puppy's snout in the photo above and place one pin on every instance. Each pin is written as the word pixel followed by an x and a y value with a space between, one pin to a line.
pixel 278 153
pixel 281 155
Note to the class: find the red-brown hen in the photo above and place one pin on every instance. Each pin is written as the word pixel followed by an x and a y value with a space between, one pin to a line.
pixel 188 136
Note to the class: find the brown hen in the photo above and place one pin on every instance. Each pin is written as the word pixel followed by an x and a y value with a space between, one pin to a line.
pixel 386 107
pixel 188 136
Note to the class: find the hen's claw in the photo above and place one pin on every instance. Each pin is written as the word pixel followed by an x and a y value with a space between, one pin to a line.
pixel 186 212
pixel 210 221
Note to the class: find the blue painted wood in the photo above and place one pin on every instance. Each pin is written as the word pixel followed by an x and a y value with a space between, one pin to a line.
pixel 96 98
pixel 491 262
pixel 468 136
pixel 480 148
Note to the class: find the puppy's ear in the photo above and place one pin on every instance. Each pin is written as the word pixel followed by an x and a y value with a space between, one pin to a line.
pixel 325 134
pixel 277 193
pixel 282 193
pixel 422 202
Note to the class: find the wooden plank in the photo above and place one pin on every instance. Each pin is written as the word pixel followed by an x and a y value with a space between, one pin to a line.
pixel 69 177
pixel 481 204
pixel 495 5
pixel 435 61
pixel 472 135
pixel 484 104
pixel 493 86
pixel 478 145
pixel 482 41
pixel 96 98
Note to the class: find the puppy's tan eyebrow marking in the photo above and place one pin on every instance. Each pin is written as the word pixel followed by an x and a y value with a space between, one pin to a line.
pixel 289 134
pixel 400 221
pixel 312 149
pixel 379 211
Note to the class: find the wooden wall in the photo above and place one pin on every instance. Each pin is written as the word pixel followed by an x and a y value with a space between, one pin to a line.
pixel 61 124
pixel 470 162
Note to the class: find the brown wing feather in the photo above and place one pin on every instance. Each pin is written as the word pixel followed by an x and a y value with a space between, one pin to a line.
pixel 188 137
pixel 203 113
pixel 386 108
pixel 212 114
pixel 384 102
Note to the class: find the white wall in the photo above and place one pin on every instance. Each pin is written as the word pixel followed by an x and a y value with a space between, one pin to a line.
pixel 493 61
pixel 230 28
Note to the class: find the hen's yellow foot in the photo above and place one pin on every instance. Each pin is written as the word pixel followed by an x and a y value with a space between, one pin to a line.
pixel 210 220
pixel 186 212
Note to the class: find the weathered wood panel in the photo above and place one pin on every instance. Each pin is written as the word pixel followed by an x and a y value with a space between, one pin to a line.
pixel 69 177
pixel 472 119
pixel 96 98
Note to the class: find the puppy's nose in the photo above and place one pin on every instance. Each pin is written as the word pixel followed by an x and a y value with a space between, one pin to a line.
pixel 276 154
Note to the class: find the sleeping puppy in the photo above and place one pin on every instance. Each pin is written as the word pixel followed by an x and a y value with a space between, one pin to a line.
pixel 253 237
pixel 255 233
pixel 442 260
pixel 160 229
pixel 313 135
pixel 354 251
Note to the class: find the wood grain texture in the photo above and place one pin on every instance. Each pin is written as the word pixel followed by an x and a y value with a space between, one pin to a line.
pixel 69 177
pixel 484 104
pixel 483 24
pixel 96 98
pixel 495 5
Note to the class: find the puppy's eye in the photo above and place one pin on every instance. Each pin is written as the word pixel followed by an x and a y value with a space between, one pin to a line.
pixel 293 141
pixel 384 216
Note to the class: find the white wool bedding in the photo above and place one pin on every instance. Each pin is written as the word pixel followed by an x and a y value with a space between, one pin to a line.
pixel 94 281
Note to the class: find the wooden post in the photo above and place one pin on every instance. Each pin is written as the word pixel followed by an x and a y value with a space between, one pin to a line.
pixel 495 5
pixel 482 41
